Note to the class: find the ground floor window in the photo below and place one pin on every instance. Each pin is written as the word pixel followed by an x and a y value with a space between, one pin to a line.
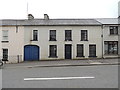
pixel 53 51
pixel 111 47
pixel 92 50
pixel 80 50
pixel 5 54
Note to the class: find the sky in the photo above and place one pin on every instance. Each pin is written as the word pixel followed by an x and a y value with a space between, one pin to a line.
pixel 18 9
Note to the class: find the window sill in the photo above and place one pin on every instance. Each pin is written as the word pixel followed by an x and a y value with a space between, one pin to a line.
pixel 113 35
pixel 4 59
pixel 68 40
pixel 92 56
pixel 83 40
pixel 33 40
pixel 53 56
pixel 4 41
pixel 111 54
pixel 52 40
pixel 80 56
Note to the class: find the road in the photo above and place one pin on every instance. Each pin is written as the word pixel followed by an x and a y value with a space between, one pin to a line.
pixel 104 76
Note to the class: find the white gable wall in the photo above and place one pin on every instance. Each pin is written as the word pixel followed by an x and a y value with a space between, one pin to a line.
pixel 15 44
pixel 0 42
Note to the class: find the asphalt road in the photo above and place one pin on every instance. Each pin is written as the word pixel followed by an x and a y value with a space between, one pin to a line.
pixel 104 76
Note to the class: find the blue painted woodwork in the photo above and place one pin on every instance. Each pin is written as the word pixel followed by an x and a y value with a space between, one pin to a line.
pixel 31 53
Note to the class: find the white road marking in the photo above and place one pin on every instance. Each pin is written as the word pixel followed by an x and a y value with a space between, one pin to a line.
pixel 57 78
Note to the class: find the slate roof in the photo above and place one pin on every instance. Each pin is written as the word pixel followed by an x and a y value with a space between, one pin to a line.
pixel 62 22
pixel 51 22
pixel 108 20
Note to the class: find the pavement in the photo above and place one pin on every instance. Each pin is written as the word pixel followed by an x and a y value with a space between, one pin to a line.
pixel 63 63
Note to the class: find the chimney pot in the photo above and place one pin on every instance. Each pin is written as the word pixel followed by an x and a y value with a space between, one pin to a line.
pixel 46 17
pixel 30 17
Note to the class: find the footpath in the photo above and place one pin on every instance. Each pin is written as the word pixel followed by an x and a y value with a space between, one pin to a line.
pixel 63 63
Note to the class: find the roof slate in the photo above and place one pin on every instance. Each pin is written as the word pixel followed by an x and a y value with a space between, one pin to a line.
pixel 108 20
pixel 62 22
pixel 51 22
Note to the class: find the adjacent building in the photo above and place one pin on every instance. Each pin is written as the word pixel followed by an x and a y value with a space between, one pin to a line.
pixel 12 41
pixel 48 39
pixel 110 37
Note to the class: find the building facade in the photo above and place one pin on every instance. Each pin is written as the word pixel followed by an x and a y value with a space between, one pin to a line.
pixel 57 39
pixel 0 40
pixel 110 37
pixel 12 41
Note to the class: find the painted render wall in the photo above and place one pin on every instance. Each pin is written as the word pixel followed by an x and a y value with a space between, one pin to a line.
pixel 119 28
pixel 119 37
pixel 15 44
pixel 94 37
pixel 0 42
pixel 108 37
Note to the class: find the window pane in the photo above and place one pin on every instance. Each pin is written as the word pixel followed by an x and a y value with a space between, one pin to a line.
pixel 5 34
pixel 106 48
pixel 68 35
pixel 79 50
pixel 35 35
pixel 111 47
pixel 5 54
pixel 114 30
pixel 115 49
pixel 53 51
pixel 83 35
pixel 52 35
pixel 92 50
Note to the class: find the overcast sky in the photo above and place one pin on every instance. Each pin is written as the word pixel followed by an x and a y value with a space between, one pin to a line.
pixel 17 9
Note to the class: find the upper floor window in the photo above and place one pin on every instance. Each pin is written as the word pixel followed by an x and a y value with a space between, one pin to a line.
pixel 5 35
pixel 113 30
pixel 35 35
pixel 68 35
pixel 84 35
pixel 52 35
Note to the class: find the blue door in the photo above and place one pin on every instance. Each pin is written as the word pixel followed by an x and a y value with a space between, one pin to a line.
pixel 31 52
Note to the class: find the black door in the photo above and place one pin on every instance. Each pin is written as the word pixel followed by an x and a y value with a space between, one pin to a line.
pixel 68 50
pixel 92 50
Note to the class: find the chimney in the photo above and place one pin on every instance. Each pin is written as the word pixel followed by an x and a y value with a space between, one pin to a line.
pixel 30 17
pixel 46 17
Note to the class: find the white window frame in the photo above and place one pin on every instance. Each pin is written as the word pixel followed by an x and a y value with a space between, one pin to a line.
pixel 5 35
pixel 37 35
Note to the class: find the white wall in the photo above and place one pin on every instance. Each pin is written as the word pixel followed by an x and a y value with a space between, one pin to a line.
pixel 94 37
pixel 16 42
pixel 0 42
pixel 118 8
pixel 119 36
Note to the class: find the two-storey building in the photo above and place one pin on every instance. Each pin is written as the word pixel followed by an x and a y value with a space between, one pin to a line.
pixel 110 37
pixel 56 39
pixel 12 40
pixel 62 39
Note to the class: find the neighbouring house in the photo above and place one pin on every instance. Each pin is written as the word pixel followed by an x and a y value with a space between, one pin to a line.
pixel 110 36
pixel 12 41
pixel 58 39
